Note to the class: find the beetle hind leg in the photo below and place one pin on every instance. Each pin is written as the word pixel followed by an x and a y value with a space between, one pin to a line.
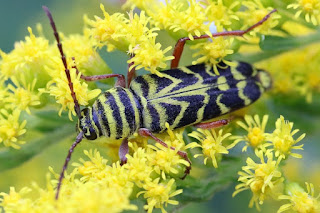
pixel 123 151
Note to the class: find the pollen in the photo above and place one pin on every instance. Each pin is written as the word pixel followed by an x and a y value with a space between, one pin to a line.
pixel 255 128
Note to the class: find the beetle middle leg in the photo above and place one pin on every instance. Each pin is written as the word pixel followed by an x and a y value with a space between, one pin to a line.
pixel 147 133
pixel 213 124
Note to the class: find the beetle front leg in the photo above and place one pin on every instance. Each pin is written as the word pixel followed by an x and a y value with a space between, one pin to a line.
pixel 147 133
pixel 121 81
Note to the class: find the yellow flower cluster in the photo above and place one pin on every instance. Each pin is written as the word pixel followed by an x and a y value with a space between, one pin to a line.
pixel 264 178
pixel 309 8
pixel 296 71
pixel 109 187
pixel 33 68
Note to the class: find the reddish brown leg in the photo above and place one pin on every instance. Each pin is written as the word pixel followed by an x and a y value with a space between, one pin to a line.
pixel 147 133
pixel 78 140
pixel 63 58
pixel 131 73
pixel 120 82
pixel 213 124
pixel 178 49
pixel 123 150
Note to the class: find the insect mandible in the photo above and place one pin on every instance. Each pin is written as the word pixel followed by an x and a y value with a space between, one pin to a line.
pixel 181 97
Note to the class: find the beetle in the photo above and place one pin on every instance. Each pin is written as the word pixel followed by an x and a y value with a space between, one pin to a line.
pixel 180 97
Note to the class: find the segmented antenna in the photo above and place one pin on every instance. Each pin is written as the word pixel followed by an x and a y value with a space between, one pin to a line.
pixel 63 58
pixel 76 104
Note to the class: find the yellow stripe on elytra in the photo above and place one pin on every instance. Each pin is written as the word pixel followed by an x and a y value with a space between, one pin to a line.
pixel 241 85
pixel 152 84
pixel 205 103
pixel 223 108
pixel 136 110
pixel 222 83
pixel 109 115
pixel 121 107
pixel 236 74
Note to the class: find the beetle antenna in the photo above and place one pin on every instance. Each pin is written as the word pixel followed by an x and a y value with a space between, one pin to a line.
pixel 73 146
pixel 64 60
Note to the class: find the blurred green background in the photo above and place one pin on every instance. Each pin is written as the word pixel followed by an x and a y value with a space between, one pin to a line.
pixel 16 16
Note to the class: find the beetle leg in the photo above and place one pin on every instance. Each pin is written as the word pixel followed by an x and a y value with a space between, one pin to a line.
pixel 123 150
pixel 120 82
pixel 213 124
pixel 178 49
pixel 147 133
pixel 131 72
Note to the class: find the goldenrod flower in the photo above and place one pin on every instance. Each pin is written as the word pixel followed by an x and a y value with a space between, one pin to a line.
pixel 165 160
pixel 213 52
pixel 14 201
pixel 221 14
pixel 96 197
pixel 149 55
pixel 263 179
pixel 256 12
pixel 95 168
pixel 181 18
pixel 23 96
pixel 158 194
pixel 138 166
pixel 282 140
pixel 301 201
pixel 11 129
pixel 310 8
pixel 28 59
pixel 211 144
pixel 59 88
pixel 256 131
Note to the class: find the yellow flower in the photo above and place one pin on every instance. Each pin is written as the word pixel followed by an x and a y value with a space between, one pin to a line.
pixel 109 31
pixel 138 167
pixel 282 139
pixel 96 197
pixel 213 52
pixel 256 12
pixel 15 200
pixel 211 144
pixel 300 200
pixel 95 168
pixel 28 59
pixel 256 131
pixel 23 96
pixel 158 194
pixel 149 55
pixel 311 9
pixel 165 160
pixel 263 179
pixel 59 88
pixel 181 18
pixel 11 129
pixel 221 14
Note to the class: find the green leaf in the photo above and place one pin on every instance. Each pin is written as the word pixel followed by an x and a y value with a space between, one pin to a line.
pixel 276 43
pixel 11 158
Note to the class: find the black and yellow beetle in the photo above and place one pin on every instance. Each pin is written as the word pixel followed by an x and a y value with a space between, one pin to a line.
pixel 180 97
